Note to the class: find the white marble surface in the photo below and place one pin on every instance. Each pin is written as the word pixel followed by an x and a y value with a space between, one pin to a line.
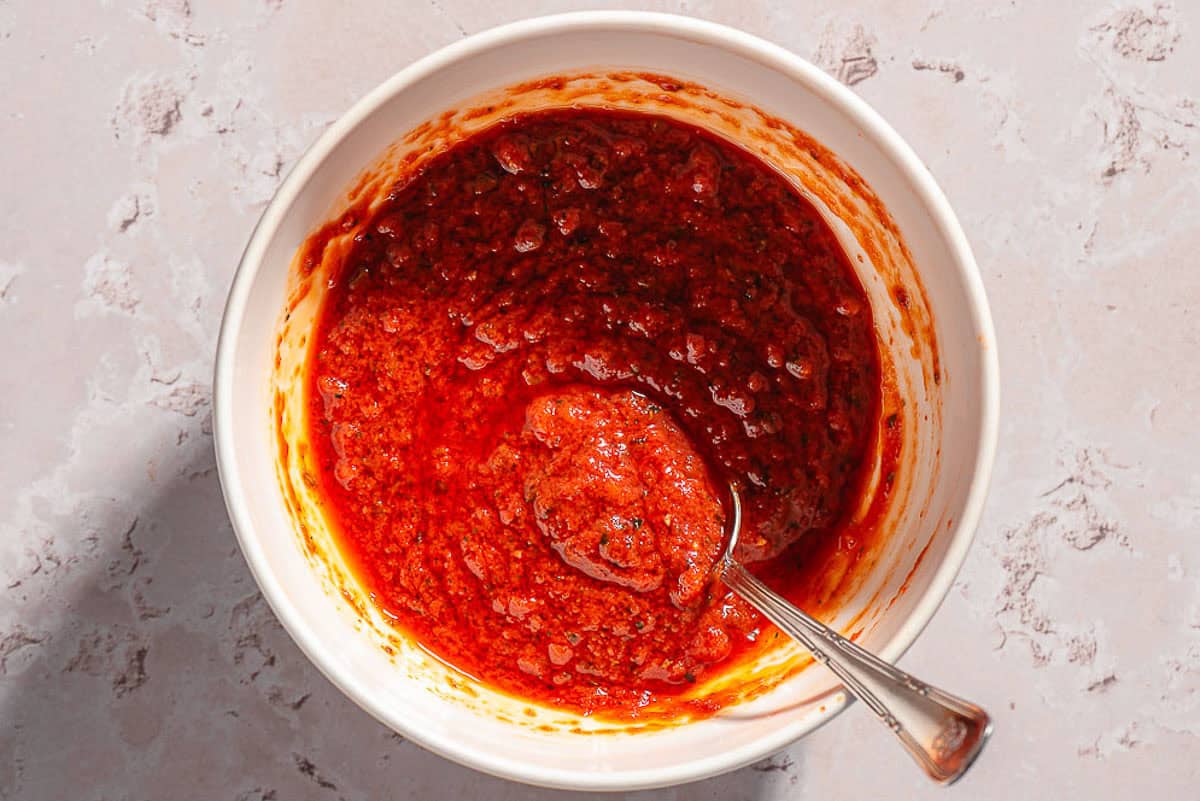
pixel 141 141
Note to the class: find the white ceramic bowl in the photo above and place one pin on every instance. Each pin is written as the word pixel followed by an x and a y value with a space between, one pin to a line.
pixel 951 419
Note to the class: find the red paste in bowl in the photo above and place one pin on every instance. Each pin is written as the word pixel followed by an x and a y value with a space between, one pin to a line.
pixel 541 363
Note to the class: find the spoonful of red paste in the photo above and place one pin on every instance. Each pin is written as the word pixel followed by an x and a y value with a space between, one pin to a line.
pixel 621 495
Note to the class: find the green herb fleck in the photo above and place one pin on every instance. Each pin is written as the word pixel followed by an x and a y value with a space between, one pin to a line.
pixel 604 539
pixel 690 677
pixel 636 522
pixel 639 625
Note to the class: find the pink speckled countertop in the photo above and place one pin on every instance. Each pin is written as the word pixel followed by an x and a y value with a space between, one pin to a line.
pixel 141 141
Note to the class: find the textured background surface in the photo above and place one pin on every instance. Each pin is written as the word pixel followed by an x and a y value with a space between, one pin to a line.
pixel 142 140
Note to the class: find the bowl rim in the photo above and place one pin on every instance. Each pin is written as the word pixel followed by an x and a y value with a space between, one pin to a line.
pixel 743 44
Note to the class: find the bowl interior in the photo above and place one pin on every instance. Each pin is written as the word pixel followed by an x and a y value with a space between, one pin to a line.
pixel 889 221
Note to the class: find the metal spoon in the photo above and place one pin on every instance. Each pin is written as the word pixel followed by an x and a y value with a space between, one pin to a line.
pixel 942 732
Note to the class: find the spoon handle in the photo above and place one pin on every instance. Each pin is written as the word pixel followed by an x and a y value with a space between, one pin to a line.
pixel 942 732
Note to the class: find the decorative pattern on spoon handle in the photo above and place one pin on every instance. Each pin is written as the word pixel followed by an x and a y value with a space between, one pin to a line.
pixel 943 733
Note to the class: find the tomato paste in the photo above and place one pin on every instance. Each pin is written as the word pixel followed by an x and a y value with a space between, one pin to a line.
pixel 543 361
